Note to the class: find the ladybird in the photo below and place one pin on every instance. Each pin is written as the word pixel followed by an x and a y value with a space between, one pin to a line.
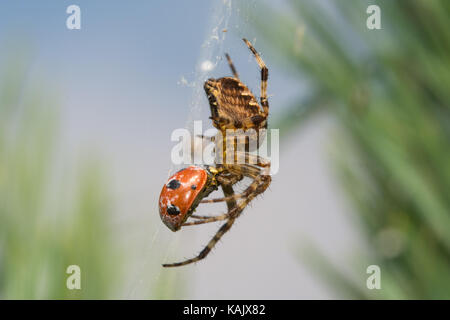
pixel 182 193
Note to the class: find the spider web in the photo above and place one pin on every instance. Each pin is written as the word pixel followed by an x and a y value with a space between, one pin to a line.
pixel 210 56
pixel 211 53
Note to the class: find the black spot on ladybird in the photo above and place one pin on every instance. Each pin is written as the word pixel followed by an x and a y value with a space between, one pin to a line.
pixel 193 187
pixel 173 184
pixel 173 210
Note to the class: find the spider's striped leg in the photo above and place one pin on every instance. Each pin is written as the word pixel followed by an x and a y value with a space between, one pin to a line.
pixel 236 196
pixel 264 76
pixel 233 69
pixel 223 229
pixel 208 138
pixel 249 159
pixel 231 204
pixel 195 216
pixel 260 183
pixel 252 159
pixel 223 180
pixel 206 219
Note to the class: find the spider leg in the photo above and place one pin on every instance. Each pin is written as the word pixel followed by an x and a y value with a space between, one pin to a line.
pixel 264 77
pixel 249 159
pixel 206 219
pixel 261 181
pixel 231 204
pixel 223 229
pixel 195 216
pixel 229 179
pixel 223 180
pixel 254 159
pixel 233 69
pixel 208 138
pixel 259 185
pixel 236 196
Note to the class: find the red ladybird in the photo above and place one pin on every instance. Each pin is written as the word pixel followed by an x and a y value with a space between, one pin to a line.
pixel 182 193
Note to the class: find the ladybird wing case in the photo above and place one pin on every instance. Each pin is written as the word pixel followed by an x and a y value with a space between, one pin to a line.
pixel 179 194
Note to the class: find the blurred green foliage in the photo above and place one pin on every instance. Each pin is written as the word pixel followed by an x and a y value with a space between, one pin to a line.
pixel 51 215
pixel 389 91
pixel 56 210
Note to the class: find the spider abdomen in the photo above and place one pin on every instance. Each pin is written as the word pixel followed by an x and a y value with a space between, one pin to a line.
pixel 233 105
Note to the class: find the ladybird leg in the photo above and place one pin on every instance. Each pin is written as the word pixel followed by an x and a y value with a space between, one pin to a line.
pixel 233 69
pixel 264 77
pixel 231 204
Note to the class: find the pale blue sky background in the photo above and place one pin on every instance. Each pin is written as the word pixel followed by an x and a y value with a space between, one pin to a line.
pixel 118 83
pixel 124 66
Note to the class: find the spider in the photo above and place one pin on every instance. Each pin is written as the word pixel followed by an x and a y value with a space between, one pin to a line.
pixel 233 106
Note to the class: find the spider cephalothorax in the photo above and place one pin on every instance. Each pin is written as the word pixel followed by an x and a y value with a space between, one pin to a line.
pixel 233 106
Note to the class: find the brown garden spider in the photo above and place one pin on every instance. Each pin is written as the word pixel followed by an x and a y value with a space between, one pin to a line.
pixel 233 106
